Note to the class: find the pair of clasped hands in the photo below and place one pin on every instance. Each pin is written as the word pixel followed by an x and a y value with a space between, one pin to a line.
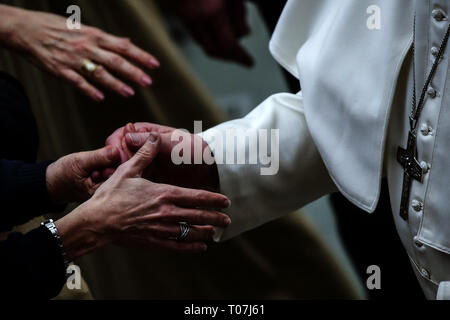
pixel 135 195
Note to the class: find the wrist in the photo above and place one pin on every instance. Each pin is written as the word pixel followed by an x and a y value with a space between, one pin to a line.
pixel 51 179
pixel 79 233
pixel 10 20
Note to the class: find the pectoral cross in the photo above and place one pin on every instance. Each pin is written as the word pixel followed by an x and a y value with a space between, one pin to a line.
pixel 408 160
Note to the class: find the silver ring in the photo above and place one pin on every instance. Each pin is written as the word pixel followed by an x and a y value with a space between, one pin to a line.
pixel 184 228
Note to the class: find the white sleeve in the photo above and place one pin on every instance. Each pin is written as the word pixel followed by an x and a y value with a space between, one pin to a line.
pixel 260 192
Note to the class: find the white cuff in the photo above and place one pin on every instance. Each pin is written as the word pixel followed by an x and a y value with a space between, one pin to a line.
pixel 264 191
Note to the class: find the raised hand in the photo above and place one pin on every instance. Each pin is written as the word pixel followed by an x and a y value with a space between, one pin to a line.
pixel 85 58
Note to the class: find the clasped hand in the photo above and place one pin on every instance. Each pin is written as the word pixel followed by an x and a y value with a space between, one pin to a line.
pixel 127 209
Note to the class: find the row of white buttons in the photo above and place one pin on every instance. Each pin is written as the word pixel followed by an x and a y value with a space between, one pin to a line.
pixel 426 130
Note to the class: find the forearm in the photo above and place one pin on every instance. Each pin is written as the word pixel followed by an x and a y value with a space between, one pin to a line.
pixel 23 192
pixel 79 233
pixel 263 192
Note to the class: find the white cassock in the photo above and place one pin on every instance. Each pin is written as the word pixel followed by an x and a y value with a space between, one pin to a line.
pixel 343 130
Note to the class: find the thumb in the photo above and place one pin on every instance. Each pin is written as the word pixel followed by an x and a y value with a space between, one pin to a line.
pixel 99 159
pixel 135 141
pixel 144 157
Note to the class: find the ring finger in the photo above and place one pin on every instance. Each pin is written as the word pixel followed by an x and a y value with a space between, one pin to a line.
pixel 173 232
pixel 121 66
pixel 106 79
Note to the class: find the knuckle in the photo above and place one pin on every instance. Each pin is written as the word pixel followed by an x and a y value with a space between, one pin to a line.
pixel 144 152
pixel 93 31
pixel 202 195
pixel 143 57
pixel 174 191
pixel 122 169
pixel 75 166
pixel 201 215
pixel 117 85
pixel 79 45
pixel 99 72
pixel 124 44
pixel 165 210
pixel 196 194
pixel 116 60
pixel 78 81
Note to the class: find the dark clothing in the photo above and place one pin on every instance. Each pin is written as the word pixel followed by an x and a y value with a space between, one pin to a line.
pixel 18 129
pixel 23 193
pixel 31 265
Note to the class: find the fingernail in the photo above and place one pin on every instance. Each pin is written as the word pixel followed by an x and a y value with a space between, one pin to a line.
pixel 146 81
pixel 154 62
pixel 228 203
pixel 135 139
pixel 204 247
pixel 153 137
pixel 131 128
pixel 128 92
pixel 99 96
pixel 228 221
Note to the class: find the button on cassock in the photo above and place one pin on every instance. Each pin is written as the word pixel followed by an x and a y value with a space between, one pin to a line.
pixel 416 205
pixel 438 15
pixel 417 242
pixel 425 129
pixel 434 51
pixel 432 93
pixel 425 273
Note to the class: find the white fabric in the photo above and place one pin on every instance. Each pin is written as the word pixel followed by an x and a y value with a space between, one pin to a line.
pixel 345 109
pixel 348 75
pixel 426 234
pixel 302 177
pixel 352 83
pixel 444 291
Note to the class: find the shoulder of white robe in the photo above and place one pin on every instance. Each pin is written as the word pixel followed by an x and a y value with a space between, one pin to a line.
pixel 297 22
pixel 304 30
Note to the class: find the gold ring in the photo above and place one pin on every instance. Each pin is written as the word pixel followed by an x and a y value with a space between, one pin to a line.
pixel 89 66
